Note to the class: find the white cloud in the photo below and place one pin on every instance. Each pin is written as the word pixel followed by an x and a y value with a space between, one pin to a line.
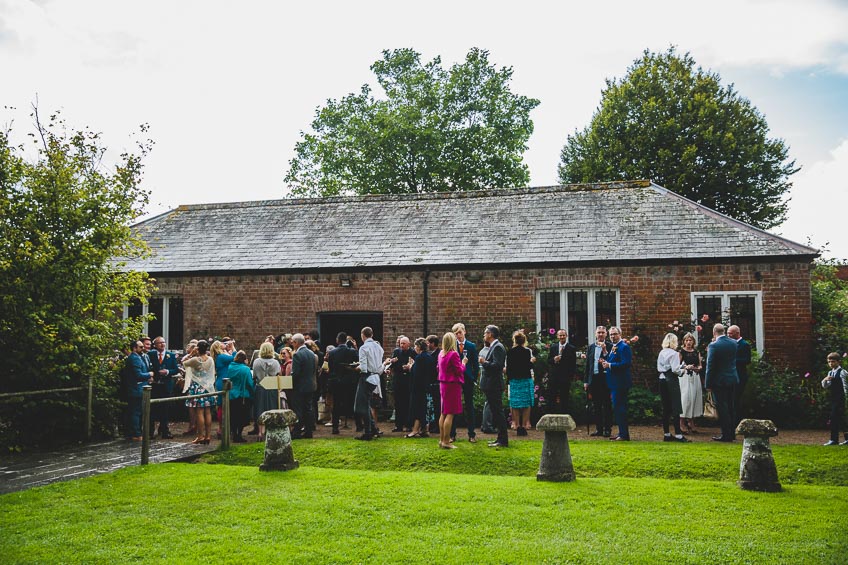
pixel 819 204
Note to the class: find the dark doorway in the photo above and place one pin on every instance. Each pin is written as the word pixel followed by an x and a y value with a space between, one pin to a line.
pixel 331 323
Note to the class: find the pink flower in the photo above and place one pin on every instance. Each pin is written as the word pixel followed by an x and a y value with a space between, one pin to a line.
pixel 670 326
pixel 807 376
pixel 676 322
pixel 845 354
pixel 552 331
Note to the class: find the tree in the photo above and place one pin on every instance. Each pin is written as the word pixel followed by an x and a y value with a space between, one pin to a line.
pixel 675 124
pixel 64 217
pixel 436 130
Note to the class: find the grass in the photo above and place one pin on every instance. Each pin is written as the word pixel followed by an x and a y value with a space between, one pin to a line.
pixel 403 501
pixel 796 464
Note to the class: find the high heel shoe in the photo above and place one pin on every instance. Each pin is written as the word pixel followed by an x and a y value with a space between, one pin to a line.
pixel 197 440
pixel 206 441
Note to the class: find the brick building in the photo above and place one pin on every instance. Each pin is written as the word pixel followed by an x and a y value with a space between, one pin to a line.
pixel 631 253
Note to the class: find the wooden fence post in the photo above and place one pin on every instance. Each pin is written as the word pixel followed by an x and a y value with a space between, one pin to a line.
pixel 89 408
pixel 225 425
pixel 145 424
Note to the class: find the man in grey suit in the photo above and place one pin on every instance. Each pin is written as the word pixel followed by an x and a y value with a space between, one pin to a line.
pixel 722 380
pixel 491 383
pixel 304 385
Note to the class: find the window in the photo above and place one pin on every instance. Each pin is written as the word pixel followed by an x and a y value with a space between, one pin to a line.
pixel 744 309
pixel 167 318
pixel 578 310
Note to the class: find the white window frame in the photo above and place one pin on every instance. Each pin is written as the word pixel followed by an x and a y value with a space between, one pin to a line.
pixel 590 306
pixel 165 316
pixel 725 305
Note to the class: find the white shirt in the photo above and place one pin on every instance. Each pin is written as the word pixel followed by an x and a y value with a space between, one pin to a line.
pixel 668 360
pixel 597 357
pixel 371 357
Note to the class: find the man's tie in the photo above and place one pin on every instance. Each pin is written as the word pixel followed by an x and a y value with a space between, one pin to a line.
pixel 461 347
pixel 161 357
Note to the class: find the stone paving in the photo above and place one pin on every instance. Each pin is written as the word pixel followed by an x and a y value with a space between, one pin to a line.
pixel 27 470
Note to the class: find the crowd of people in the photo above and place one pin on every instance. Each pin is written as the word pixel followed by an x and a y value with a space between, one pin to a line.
pixel 433 380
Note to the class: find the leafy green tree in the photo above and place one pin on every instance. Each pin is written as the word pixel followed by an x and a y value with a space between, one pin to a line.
pixel 64 217
pixel 675 124
pixel 435 130
pixel 829 296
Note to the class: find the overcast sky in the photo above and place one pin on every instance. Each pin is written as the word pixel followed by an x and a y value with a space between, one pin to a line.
pixel 227 87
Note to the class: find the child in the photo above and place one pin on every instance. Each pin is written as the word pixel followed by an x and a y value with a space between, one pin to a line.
pixel 837 382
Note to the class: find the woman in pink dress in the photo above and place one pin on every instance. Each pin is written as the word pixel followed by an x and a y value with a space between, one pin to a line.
pixel 451 377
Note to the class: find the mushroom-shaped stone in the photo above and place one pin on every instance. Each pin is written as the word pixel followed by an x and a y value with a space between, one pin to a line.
pixel 556 464
pixel 756 428
pixel 556 423
pixel 278 440
pixel 757 470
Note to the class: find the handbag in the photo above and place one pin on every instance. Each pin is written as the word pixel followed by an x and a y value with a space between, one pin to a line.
pixel 710 411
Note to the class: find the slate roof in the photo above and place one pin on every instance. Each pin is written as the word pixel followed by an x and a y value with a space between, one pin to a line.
pixel 412 231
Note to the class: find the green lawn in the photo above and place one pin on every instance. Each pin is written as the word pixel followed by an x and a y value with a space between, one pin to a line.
pixel 438 512
pixel 796 464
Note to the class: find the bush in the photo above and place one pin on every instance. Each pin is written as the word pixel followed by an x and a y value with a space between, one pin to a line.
pixel 781 395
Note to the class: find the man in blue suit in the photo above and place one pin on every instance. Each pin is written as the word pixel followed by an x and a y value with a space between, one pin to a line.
pixel 619 381
pixel 743 359
pixel 722 381
pixel 164 366
pixel 467 349
pixel 136 375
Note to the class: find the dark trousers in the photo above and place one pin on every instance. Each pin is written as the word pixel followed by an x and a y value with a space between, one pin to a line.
pixel 837 417
pixel 486 423
pixel 494 398
pixel 301 403
pixel 161 412
pixel 436 397
pixel 669 391
pixel 240 409
pixel 468 409
pixel 725 401
pixel 133 417
pixel 343 391
pixel 362 405
pixel 559 385
pixel 400 384
pixel 602 405
pixel 619 407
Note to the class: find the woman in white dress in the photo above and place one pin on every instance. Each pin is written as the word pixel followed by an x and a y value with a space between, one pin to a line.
pixel 691 394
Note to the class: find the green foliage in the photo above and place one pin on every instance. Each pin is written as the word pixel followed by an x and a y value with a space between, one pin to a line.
pixel 830 312
pixel 782 395
pixel 435 130
pixel 180 513
pixel 674 123
pixel 643 406
pixel 64 216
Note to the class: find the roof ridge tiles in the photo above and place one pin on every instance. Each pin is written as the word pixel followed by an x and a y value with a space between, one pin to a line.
pixel 463 194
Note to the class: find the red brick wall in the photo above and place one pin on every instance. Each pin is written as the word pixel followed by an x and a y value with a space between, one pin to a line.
pixel 250 307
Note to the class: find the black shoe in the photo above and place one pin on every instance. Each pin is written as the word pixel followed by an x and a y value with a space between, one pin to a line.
pixel 497 444
pixel 718 438
pixel 597 433
pixel 681 439
pixel 831 442
pixel 396 430
pixel 335 431
pixel 521 432
pixel 364 437
pixel 844 442
pixel 620 438
pixel 668 438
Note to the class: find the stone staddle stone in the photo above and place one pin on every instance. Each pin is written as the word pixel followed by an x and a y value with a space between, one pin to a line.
pixel 278 440
pixel 757 470
pixel 556 464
